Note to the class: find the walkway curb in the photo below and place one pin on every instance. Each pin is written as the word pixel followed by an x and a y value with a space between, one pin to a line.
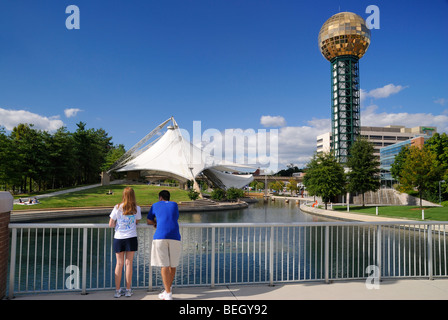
pixel 347 216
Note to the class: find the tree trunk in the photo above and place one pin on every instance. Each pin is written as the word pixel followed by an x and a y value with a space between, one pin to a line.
pixel 363 201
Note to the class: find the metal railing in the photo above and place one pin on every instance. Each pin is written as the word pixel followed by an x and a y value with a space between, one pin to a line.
pixel 62 257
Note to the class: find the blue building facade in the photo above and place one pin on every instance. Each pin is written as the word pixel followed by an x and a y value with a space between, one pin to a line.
pixel 387 156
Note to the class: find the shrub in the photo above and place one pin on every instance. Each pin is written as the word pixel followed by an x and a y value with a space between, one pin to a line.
pixel 234 193
pixel 218 194
pixel 193 195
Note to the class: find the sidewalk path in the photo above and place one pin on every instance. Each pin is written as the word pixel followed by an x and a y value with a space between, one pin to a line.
pixel 400 289
pixel 346 216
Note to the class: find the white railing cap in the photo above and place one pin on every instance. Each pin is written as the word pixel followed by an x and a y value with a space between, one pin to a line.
pixel 6 202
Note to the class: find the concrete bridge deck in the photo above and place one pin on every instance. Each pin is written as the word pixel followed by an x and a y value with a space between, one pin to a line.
pixel 388 289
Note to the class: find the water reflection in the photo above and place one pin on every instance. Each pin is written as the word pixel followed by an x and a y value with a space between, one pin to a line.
pixel 259 212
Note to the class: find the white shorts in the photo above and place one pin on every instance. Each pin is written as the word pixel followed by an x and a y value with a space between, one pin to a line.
pixel 165 253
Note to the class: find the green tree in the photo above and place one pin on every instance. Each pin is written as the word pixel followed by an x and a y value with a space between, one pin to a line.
pixel 420 170
pixel 10 173
pixel 276 186
pixel 31 154
pixel 292 186
pixel 90 150
pixel 289 171
pixel 324 177
pixel 31 158
pixel 62 159
pixel 5 158
pixel 113 155
pixel 438 143
pixel 364 172
pixel 398 164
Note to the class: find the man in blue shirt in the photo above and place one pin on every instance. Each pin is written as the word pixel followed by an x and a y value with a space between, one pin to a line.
pixel 166 245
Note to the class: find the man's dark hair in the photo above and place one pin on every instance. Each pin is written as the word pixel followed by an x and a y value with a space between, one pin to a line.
pixel 165 195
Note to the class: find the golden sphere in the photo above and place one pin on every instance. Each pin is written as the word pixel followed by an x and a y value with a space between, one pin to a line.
pixel 345 33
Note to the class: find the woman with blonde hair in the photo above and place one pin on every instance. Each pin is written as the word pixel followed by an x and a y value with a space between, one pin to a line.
pixel 124 218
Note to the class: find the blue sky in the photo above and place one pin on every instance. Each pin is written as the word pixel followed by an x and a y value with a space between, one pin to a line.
pixel 227 63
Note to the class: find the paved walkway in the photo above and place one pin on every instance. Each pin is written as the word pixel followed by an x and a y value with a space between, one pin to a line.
pixel 346 216
pixel 413 289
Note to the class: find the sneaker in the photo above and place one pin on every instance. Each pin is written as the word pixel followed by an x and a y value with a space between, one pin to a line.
pixel 118 293
pixel 128 293
pixel 165 295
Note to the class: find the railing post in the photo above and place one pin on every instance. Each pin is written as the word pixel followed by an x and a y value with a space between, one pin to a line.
pixel 12 263
pixel 150 237
pixel 430 271
pixel 84 262
pixel 327 254
pixel 212 271
pixel 271 257
pixel 379 251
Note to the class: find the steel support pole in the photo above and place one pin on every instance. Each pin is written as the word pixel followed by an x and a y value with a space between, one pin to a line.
pixel 212 271
pixel 12 265
pixel 327 254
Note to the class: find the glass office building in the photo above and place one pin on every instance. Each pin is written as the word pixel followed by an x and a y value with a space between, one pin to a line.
pixel 387 157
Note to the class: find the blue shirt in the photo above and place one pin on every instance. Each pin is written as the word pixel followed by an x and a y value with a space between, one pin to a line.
pixel 166 213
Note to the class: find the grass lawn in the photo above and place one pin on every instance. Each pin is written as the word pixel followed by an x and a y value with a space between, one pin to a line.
pixel 405 212
pixel 98 197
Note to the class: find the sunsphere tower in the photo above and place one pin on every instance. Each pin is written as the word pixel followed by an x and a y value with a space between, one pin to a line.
pixel 343 40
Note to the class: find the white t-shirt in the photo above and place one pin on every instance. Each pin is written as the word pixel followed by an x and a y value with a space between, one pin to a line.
pixel 126 226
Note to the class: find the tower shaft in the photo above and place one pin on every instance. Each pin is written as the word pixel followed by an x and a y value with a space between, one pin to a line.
pixel 345 105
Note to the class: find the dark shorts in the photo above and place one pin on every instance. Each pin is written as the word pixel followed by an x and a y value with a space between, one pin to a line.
pixel 129 244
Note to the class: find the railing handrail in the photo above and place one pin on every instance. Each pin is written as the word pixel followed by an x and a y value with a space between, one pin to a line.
pixel 239 224
pixel 275 246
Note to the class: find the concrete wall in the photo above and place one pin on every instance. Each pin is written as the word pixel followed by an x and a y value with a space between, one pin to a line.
pixel 6 201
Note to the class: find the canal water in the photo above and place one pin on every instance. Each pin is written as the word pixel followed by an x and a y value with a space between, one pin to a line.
pixel 260 212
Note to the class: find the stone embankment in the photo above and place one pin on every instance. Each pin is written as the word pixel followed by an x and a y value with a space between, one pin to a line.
pixel 35 215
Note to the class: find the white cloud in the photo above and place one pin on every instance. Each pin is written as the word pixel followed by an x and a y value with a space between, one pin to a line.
pixel 71 112
pixel 441 101
pixel 297 144
pixel 382 92
pixel 11 118
pixel 369 117
pixel 272 121
pixel 284 145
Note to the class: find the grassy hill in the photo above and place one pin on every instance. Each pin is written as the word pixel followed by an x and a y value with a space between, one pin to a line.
pixel 98 197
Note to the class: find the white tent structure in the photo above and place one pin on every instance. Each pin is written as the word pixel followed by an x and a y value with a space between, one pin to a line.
pixel 173 156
